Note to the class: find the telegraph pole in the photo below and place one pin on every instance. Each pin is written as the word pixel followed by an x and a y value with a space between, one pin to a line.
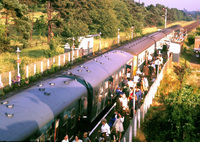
pixel 165 17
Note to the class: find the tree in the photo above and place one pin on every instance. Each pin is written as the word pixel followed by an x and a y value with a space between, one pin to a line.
pixel 20 24
pixel 123 15
pixel 198 30
pixel 4 40
pixel 40 25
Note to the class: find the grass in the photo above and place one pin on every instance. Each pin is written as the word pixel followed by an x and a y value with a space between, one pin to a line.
pixel 28 56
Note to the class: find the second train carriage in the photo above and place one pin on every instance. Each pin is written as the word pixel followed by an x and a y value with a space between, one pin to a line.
pixel 147 45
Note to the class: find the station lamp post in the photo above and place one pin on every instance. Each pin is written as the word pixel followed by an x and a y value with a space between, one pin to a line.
pixel 118 35
pixel 165 17
pixel 18 61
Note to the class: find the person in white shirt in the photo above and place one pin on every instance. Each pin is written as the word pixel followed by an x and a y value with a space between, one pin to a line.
pixel 77 139
pixel 119 126
pixel 105 129
pixel 66 139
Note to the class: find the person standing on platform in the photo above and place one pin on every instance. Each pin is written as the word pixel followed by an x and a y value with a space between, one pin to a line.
pixel 146 71
pixel 66 139
pixel 119 126
pixel 151 70
pixel 105 130
pixel 77 139
pixel 125 81
pixel 138 93
pixel 86 138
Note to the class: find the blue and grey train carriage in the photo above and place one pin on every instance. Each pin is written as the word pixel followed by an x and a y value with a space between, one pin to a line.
pixel 50 110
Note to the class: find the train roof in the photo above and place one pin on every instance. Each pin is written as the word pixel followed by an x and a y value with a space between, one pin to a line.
pixel 101 68
pixel 137 46
pixel 169 30
pixel 157 36
pixel 35 107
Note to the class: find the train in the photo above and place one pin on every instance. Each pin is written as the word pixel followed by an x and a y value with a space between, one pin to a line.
pixel 57 106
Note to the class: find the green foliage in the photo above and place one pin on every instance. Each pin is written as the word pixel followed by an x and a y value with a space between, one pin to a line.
pixel 198 30
pixel 20 27
pixel 40 25
pixel 177 119
pixel 53 45
pixel 4 41
pixel 190 39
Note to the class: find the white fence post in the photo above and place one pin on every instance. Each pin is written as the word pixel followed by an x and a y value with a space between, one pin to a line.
pixel 48 64
pixel 135 125
pixel 77 53
pixel 34 68
pixel 59 61
pixel 69 56
pixel 41 67
pixel 26 71
pixel 138 111
pixel 10 79
pixel 130 134
pixel 64 59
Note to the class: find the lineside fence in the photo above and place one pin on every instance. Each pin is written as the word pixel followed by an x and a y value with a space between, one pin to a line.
pixel 148 100
pixel 7 79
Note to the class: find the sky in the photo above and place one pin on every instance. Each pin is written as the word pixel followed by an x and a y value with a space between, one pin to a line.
pixel 189 5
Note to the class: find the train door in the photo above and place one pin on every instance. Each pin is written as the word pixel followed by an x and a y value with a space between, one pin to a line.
pixel 63 125
pixel 129 69
pixel 100 99
pixel 83 105
pixel 106 97
pixel 110 89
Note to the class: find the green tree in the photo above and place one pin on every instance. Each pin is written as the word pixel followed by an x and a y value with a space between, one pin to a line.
pixel 40 25
pixel 4 41
pixel 123 15
pixel 198 30
pixel 20 24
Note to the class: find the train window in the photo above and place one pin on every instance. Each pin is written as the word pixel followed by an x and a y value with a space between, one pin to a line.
pixel 116 76
pixel 106 84
pixel 65 120
pixel 73 114
pixel 101 90
pixel 83 105
pixel 123 71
